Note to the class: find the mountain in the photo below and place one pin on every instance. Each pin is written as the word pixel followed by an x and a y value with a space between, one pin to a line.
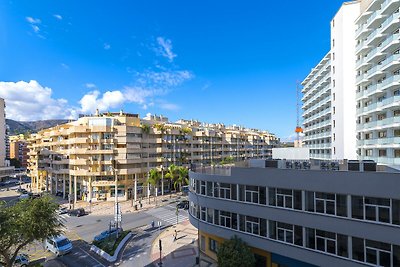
pixel 18 127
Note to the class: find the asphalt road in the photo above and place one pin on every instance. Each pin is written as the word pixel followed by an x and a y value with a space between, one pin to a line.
pixel 137 250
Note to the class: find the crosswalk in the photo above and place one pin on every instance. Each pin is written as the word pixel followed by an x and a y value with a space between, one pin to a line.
pixel 168 215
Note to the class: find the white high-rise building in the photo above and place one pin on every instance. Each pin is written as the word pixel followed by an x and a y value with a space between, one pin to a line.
pixel 2 133
pixel 329 110
pixel 378 81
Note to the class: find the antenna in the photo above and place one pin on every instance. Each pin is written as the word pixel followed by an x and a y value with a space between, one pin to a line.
pixel 298 129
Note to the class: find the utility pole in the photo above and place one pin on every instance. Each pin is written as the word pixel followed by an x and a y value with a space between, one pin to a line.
pixel 160 247
pixel 117 208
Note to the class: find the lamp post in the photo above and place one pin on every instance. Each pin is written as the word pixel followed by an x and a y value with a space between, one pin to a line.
pixel 162 180
pixel 117 209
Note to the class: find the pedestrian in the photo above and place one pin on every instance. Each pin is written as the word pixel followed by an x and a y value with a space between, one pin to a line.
pixel 152 224
pixel 175 235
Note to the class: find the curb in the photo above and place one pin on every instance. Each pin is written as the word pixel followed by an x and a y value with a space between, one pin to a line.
pixel 107 256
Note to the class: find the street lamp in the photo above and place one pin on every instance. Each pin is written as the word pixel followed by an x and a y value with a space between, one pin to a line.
pixel 117 208
pixel 162 180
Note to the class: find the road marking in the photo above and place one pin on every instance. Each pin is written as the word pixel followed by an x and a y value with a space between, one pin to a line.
pixel 92 257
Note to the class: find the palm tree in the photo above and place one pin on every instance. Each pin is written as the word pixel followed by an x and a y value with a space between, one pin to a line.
pixel 154 179
pixel 182 177
pixel 172 173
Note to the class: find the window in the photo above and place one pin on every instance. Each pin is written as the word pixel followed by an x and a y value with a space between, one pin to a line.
pixel 225 219
pixel 368 152
pixel 396 132
pixel 253 225
pixel 334 204
pixel 381 116
pixel 209 189
pixel 213 245
pixel 202 187
pixel 371 209
pixel 377 253
pixel 382 152
pixel 284 232
pixel 382 134
pixel 325 241
pixel 397 153
pixel 225 191
pixel 251 193
pixel 396 113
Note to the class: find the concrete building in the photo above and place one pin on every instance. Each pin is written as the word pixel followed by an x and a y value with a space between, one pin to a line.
pixel 329 93
pixel 19 149
pixel 300 217
pixel 377 84
pixel 2 132
pixel 5 170
pixel 77 157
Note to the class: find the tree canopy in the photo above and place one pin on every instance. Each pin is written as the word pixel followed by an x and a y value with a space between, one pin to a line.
pixel 235 253
pixel 23 223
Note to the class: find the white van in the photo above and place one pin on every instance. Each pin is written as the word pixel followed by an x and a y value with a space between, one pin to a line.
pixel 59 245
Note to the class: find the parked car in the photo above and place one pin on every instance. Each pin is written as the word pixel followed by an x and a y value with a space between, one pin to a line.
pixel 108 233
pixel 62 210
pixel 59 245
pixel 23 196
pixel 184 204
pixel 22 260
pixel 77 212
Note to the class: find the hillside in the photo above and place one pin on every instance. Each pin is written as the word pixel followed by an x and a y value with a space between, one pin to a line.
pixel 18 127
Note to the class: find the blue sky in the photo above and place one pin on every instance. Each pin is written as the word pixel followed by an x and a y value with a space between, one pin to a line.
pixel 235 62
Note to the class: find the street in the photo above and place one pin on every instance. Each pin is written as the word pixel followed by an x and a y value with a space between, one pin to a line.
pixel 81 231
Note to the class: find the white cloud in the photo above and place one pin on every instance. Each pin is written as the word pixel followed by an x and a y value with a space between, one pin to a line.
pixel 165 48
pixel 90 85
pixel 106 46
pixel 94 100
pixel 57 16
pixel 33 20
pixel 163 78
pixel 35 28
pixel 34 24
pixel 26 101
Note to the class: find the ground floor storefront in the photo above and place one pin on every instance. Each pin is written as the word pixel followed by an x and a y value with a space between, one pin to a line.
pixel 97 188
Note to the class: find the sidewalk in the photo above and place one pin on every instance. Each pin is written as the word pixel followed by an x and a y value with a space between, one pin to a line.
pixel 107 207
pixel 180 252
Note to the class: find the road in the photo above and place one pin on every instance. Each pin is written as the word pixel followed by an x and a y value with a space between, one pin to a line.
pixel 81 230
pixel 137 250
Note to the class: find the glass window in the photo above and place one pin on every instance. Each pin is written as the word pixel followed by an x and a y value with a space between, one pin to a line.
pixel 209 189
pixel 242 223
pixel 298 235
pixel 272 229
pixel 263 227
pixel 396 212
pixel 210 215
pixel 272 196
pixel 233 191
pixel 202 187
pixel 310 201
pixel 358 249
pixel 310 238
pixel 297 199
pixel 213 245
pixel 251 193
pixel 262 191
pixel 357 207
pixel 234 220
pixel 225 191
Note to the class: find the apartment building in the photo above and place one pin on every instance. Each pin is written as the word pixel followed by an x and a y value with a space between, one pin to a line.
pixel 5 170
pixel 82 157
pixel 19 149
pixel 299 217
pixel 377 82
pixel 329 93
pixel 2 132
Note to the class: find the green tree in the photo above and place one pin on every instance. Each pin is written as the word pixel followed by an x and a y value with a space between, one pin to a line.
pixel 23 223
pixel 154 179
pixel 145 128
pixel 172 173
pixel 235 253
pixel 182 177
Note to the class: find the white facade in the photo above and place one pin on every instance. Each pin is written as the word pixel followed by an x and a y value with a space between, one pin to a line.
pixel 329 111
pixel 2 133
pixel 291 153
pixel 378 82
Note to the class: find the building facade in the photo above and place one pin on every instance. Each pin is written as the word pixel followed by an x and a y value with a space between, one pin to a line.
pixel 2 132
pixel 329 93
pixel 19 149
pixel 83 157
pixel 377 84
pixel 5 170
pixel 299 217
